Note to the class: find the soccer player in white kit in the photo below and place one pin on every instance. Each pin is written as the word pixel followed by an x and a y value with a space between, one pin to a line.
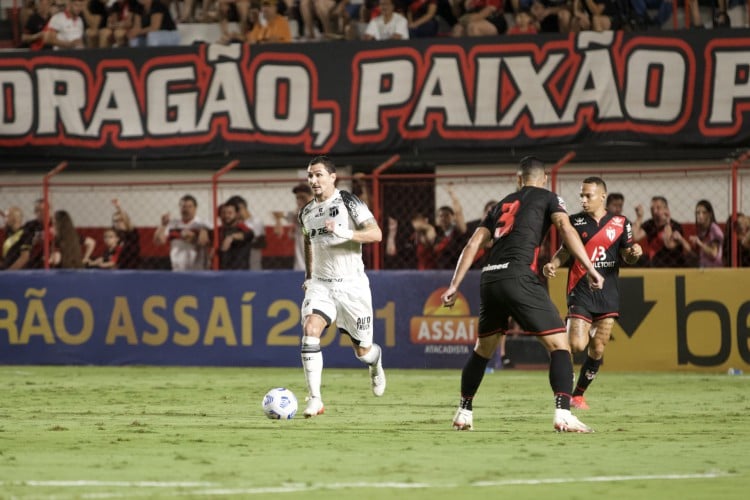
pixel 335 224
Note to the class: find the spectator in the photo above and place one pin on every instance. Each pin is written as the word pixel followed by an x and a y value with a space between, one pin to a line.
pixel 553 16
pixel 254 222
pixel 307 13
pixel 33 31
pixel 472 225
pixel 235 240
pixel 153 25
pixel 666 245
pixel 605 15
pixel 188 237
pixel 119 23
pixel 130 255
pixel 524 23
pixel 94 14
pixel 186 12
pixel 709 238
pixel 274 30
pixel 640 8
pixel 422 18
pixel 65 29
pixel 303 195
pixel 482 18
pixel 389 25
pixel 244 14
pixel 694 11
pixel 401 249
pixel 67 253
pixel 742 226
pixel 615 203
pixel 112 251
pixel 423 241
pixel 16 248
pixel 35 227
pixel 450 233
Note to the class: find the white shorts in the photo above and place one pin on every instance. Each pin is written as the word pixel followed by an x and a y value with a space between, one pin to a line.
pixel 348 303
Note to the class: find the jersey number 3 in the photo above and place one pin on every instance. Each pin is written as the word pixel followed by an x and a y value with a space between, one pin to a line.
pixel 506 219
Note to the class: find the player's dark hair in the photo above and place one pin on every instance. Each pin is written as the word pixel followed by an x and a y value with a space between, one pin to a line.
pixel 531 166
pixel 596 180
pixel 190 197
pixel 615 197
pixel 325 161
pixel 446 208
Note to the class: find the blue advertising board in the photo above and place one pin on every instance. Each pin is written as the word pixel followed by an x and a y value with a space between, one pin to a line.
pixel 219 319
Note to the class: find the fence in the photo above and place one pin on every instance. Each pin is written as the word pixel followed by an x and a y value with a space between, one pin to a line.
pixel 395 197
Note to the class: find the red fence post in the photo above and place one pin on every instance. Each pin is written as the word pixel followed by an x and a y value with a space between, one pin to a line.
pixel 736 164
pixel 376 197
pixel 45 208
pixel 553 184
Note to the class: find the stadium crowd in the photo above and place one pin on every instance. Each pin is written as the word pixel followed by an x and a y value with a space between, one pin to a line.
pixel 417 241
pixel 49 24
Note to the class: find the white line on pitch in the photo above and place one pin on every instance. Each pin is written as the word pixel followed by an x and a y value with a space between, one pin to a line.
pixel 126 484
pixel 210 489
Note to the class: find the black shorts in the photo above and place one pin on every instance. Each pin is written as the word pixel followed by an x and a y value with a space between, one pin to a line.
pixel 525 299
pixel 584 313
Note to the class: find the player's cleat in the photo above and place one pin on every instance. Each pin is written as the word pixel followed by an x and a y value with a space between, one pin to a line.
pixel 507 362
pixel 464 420
pixel 579 402
pixel 377 377
pixel 567 422
pixel 314 407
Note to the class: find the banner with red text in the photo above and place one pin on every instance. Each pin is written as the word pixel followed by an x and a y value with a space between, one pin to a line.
pixel 671 88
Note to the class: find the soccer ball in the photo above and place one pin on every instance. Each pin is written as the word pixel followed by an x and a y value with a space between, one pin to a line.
pixel 280 404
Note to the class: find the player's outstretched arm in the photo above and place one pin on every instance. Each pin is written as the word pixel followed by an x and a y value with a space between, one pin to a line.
pixel 465 260
pixel 561 256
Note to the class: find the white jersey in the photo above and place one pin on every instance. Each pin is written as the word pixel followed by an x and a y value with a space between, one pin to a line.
pixel 380 30
pixel 334 258
pixel 67 27
pixel 184 255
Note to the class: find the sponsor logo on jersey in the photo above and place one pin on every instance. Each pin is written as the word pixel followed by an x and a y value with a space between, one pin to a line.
pixel 618 221
pixel 496 267
pixel 579 221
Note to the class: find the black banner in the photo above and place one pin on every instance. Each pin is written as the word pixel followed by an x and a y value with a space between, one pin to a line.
pixel 672 88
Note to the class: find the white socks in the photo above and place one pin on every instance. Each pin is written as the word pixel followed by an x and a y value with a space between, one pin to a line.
pixel 372 356
pixel 312 362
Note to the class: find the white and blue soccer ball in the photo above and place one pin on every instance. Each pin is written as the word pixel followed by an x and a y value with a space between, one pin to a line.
pixel 280 404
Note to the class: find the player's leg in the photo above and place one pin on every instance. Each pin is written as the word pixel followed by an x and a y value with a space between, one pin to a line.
pixel 537 314
pixel 318 311
pixel 493 320
pixel 601 331
pixel 355 316
pixel 579 329
pixel 471 378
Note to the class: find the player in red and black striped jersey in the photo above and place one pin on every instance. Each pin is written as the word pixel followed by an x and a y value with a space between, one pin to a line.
pixel 591 313
pixel 510 287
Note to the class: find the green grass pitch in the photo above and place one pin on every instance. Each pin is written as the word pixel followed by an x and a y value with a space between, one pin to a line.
pixel 146 432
